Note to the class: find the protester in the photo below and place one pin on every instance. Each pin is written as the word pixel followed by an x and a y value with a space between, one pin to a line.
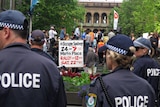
pixel 100 54
pixel 37 41
pixel 87 43
pixel 52 32
pixel 77 32
pixel 111 34
pixel 91 61
pixel 62 33
pixel 26 78
pixel 145 66
pixel 120 87
pixel 52 37
pixel 154 43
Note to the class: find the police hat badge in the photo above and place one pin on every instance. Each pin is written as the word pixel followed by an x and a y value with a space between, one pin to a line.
pixel 91 99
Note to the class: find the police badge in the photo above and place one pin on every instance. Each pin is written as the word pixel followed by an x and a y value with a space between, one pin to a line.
pixel 91 100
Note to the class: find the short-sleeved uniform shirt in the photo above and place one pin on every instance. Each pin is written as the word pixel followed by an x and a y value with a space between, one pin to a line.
pixel 124 88
pixel 28 79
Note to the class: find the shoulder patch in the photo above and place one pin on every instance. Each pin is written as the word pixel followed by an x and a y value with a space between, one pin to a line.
pixel 91 100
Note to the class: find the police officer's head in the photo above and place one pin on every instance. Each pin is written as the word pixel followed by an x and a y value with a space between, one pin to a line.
pixel 143 46
pixel 13 24
pixel 119 51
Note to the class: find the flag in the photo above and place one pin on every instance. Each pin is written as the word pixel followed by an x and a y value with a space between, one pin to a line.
pixel 115 21
pixel 33 3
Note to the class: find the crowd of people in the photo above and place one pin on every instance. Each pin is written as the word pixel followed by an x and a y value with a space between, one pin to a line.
pixel 29 76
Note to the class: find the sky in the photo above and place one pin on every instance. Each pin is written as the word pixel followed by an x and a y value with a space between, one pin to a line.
pixel 100 0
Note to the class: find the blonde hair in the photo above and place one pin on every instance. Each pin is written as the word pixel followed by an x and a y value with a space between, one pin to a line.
pixel 123 61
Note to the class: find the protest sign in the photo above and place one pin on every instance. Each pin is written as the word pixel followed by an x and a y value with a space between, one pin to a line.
pixel 71 53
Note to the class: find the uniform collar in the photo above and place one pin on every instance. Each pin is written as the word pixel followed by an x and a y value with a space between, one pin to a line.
pixel 18 45
pixel 36 49
pixel 119 68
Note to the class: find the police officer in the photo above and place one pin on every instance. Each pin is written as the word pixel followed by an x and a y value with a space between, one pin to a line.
pixel 26 78
pixel 145 66
pixel 120 87
pixel 37 40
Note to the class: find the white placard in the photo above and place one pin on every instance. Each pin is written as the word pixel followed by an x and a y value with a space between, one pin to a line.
pixel 71 53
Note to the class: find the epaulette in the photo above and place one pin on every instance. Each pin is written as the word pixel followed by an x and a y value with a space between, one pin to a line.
pixel 93 82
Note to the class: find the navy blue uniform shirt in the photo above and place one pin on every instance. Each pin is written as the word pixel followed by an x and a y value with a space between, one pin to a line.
pixel 124 88
pixel 28 79
pixel 41 52
pixel 149 69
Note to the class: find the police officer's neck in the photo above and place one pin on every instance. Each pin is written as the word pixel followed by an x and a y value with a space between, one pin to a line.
pixel 14 40
pixel 37 46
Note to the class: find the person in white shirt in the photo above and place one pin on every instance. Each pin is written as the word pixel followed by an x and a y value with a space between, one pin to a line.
pixel 52 32
pixel 77 32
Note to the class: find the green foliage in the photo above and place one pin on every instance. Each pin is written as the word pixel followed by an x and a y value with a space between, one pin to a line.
pixel 139 16
pixel 74 84
pixel 66 13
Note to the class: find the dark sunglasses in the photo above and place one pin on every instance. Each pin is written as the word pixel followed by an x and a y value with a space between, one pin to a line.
pixel 137 48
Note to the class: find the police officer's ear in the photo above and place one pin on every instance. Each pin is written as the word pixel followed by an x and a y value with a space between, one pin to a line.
pixel 6 32
pixel 145 51
pixel 151 52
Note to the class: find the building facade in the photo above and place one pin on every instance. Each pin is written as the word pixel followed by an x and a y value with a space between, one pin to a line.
pixel 97 15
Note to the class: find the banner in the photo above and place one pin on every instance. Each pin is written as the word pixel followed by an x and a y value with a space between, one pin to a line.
pixel 115 21
pixel 71 53
pixel 33 3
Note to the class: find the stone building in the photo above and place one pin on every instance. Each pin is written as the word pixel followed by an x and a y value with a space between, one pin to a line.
pixel 97 14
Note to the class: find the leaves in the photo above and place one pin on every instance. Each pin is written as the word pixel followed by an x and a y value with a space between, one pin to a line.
pixel 74 81
pixel 61 13
pixel 139 16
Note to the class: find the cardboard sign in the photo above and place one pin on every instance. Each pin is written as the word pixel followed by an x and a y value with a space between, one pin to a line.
pixel 71 53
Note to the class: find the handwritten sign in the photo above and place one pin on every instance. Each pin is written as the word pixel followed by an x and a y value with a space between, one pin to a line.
pixel 71 53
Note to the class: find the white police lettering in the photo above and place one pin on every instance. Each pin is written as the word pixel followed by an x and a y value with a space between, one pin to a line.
pixel 153 72
pixel 129 101
pixel 26 80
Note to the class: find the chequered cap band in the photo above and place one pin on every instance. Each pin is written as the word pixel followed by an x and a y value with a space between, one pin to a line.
pixel 118 50
pixel 12 26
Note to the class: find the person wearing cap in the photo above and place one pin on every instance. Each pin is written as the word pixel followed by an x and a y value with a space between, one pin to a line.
pixel 120 87
pixel 145 66
pixel 37 41
pixel 26 78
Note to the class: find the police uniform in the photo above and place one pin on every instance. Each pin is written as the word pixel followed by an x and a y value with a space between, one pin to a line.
pixel 28 79
pixel 124 88
pixel 149 69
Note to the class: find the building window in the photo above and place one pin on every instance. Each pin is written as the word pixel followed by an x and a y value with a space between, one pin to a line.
pixel 88 18
pixel 96 18
pixel 104 18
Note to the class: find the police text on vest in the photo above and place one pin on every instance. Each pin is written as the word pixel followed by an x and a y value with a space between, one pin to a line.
pixel 131 101
pixel 26 80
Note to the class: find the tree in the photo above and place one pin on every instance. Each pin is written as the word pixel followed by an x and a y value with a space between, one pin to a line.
pixel 61 13
pixel 138 16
